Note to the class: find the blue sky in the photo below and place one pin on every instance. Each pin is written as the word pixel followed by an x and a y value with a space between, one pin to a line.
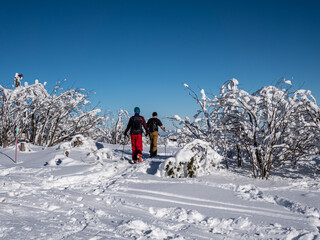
pixel 139 53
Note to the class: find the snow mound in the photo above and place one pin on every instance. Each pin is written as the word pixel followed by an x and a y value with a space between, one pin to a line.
pixel 177 214
pixel 196 159
pixel 80 142
pixel 63 160
pixel 214 225
pixel 295 206
pixel 252 193
pixel 233 228
pixel 137 229
pixel 27 147
pixel 103 153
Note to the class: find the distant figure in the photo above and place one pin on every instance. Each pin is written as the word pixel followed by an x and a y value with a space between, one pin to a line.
pixel 17 79
pixel 153 124
pixel 135 126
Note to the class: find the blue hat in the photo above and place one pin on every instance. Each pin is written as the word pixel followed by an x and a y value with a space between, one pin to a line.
pixel 136 110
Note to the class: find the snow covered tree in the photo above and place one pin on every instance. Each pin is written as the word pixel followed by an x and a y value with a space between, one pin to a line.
pixel 267 127
pixel 66 116
pixel 42 118
pixel 309 117
pixel 268 124
pixel 18 108
pixel 114 127
pixel 119 127
pixel 202 127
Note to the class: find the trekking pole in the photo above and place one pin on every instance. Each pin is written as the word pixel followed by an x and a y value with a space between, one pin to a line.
pixel 122 158
pixel 16 157
pixel 123 143
pixel 165 145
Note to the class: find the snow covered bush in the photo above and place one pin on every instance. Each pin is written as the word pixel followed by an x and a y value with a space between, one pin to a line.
pixel 45 119
pixel 86 144
pixel 309 116
pixel 114 127
pixel 79 142
pixel 267 127
pixel 100 154
pixel 119 126
pixel 194 160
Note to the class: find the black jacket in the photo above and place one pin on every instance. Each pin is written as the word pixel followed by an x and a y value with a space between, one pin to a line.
pixel 131 122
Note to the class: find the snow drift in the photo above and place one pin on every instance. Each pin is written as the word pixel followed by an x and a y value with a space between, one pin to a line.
pixel 196 159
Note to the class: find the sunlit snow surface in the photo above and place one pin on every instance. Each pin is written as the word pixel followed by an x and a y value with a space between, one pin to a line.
pixel 92 194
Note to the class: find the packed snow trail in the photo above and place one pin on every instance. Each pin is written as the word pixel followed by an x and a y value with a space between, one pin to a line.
pixel 84 198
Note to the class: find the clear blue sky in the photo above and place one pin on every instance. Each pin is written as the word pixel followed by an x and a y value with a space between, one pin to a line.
pixel 139 53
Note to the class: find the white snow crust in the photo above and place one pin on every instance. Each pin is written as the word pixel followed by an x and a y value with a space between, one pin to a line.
pixel 48 195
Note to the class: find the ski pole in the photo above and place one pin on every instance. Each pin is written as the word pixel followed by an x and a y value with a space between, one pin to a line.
pixel 16 158
pixel 123 143
pixel 165 145
pixel 122 158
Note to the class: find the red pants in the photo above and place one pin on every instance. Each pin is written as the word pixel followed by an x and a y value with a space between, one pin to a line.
pixel 136 144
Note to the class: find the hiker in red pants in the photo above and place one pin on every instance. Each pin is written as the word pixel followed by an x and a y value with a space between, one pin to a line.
pixel 135 126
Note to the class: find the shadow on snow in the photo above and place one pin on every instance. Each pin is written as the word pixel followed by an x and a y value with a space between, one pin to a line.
pixel 7 156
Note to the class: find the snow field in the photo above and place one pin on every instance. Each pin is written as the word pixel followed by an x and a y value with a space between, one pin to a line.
pixel 94 196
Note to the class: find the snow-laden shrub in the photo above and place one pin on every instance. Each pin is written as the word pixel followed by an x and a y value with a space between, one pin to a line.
pixel 196 159
pixel 170 143
pixel 266 128
pixel 80 142
pixel 103 153
pixel 44 119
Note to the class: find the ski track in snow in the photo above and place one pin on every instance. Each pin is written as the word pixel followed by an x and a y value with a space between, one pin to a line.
pixel 118 200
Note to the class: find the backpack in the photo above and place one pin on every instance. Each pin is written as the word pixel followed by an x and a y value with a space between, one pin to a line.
pixel 137 125
pixel 153 126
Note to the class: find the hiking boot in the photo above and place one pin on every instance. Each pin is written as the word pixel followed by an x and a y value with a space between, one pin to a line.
pixel 140 157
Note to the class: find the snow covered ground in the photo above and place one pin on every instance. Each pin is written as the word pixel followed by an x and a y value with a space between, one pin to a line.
pixel 47 195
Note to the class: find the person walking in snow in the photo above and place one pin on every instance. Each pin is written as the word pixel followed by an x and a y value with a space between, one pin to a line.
pixel 135 125
pixel 153 124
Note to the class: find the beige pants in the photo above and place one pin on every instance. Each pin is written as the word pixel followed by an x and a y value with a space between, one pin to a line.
pixel 153 144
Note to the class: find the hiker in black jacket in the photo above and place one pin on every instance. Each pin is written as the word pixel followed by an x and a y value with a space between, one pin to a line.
pixel 153 124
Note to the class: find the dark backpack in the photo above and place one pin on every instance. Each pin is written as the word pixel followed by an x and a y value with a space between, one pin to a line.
pixel 137 125
pixel 153 126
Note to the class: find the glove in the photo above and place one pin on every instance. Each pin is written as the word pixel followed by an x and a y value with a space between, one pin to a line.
pixel 125 134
